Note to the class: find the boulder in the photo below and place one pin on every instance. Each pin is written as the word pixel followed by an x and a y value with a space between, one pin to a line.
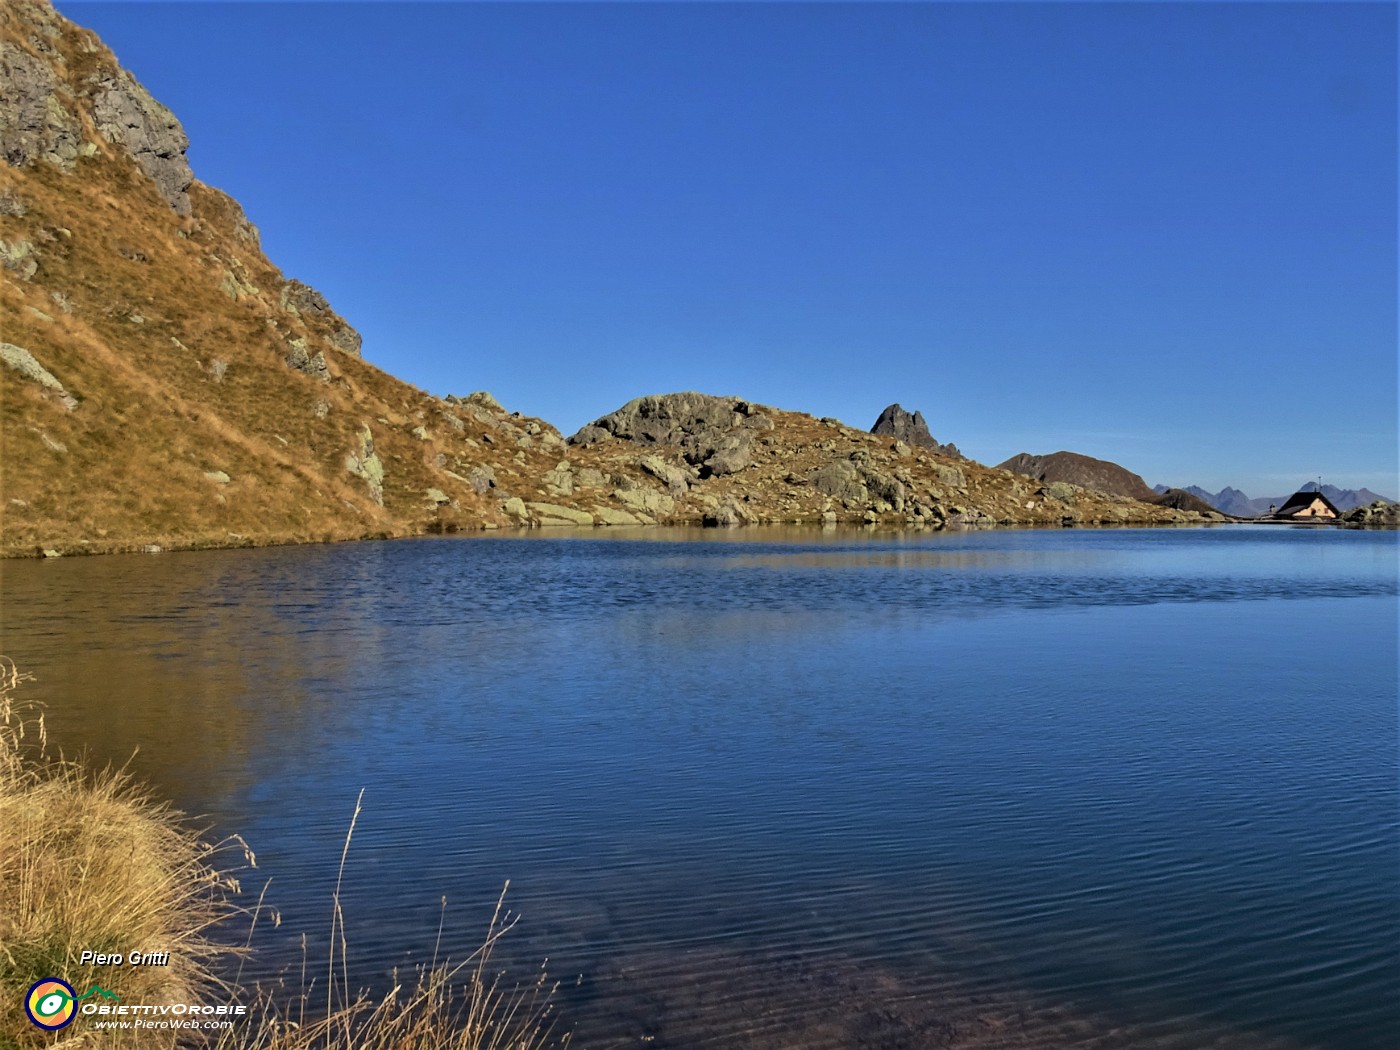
pixel 672 476
pixel 647 500
pixel 839 479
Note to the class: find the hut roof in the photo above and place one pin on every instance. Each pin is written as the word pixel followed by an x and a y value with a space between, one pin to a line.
pixel 1305 498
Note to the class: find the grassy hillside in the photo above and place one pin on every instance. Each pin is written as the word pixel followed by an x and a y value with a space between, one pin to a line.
pixel 164 384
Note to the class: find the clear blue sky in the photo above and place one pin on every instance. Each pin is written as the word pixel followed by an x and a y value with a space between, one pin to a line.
pixel 1158 233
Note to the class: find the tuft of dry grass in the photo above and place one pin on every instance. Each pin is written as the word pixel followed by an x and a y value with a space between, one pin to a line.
pixel 465 1005
pixel 90 862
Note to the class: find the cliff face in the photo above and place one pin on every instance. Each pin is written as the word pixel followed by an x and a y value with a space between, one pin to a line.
pixel 164 384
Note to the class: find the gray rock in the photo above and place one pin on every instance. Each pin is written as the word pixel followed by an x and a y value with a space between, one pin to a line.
pixel 367 465
pixel 951 477
pixel 127 115
pixel 301 300
pixel 313 365
pixel 839 479
pixel 884 488
pixel 34 123
pixel 560 480
pixel 590 478
pixel 219 477
pixel 515 508
pixel 732 456
pixel 613 516
pixel 11 203
pixel 648 501
pixel 911 429
pixel 18 257
pixel 551 514
pixel 23 362
pixel 714 433
pixel 482 399
pixel 482 478
pixel 672 476
pixel 728 513
pixel 437 496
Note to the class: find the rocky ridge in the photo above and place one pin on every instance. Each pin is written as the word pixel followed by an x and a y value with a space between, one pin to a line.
pixel 164 384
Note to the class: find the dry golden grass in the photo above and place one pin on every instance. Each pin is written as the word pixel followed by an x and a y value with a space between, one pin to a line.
pixel 89 862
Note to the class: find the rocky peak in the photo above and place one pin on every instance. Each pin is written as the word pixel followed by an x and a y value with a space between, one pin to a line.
pixel 896 422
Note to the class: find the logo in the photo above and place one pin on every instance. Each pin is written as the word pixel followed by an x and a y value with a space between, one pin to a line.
pixel 52 1004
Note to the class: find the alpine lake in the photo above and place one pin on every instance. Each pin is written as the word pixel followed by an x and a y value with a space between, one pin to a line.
pixel 788 789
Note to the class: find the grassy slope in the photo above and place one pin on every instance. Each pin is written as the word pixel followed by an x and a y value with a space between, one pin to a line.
pixel 136 310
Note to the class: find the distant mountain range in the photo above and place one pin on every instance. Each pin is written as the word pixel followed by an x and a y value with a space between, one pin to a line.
pixel 1234 502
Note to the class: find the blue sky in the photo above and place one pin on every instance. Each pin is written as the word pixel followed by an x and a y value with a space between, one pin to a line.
pixel 1158 233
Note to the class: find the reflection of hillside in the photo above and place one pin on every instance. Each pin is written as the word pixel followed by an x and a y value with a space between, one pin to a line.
pixel 174 659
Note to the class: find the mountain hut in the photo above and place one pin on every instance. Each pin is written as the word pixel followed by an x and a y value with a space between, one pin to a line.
pixel 1306 505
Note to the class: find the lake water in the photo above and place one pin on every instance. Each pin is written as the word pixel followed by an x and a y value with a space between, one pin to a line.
pixel 1112 789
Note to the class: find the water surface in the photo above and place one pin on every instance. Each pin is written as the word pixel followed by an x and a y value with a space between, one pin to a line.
pixel 1070 788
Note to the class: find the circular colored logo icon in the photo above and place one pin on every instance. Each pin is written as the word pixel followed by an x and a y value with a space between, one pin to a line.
pixel 51 1004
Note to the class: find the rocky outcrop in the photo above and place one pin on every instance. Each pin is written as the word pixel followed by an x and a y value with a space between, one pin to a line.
pixel 128 116
pixel 301 300
pixel 365 463
pixel 898 423
pixel 313 365
pixel 1382 514
pixel 35 124
pixel 715 434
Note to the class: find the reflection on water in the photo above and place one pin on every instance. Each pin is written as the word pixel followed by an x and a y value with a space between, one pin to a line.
pixel 1110 789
